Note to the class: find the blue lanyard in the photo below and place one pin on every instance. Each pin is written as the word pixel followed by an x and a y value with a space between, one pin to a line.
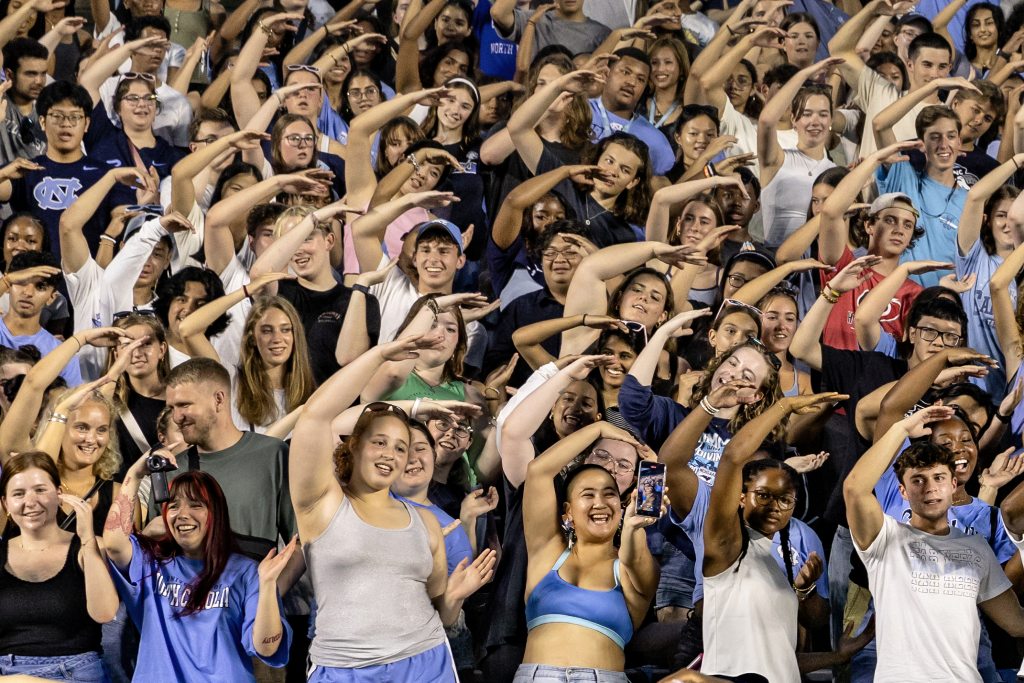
pixel 607 124
pixel 664 117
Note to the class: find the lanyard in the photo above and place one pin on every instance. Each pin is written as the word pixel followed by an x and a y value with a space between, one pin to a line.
pixel 664 117
pixel 608 130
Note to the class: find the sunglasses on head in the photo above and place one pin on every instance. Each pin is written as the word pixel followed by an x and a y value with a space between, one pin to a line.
pixel 136 76
pixel 772 358
pixel 734 304
pixel 384 407
pixel 145 312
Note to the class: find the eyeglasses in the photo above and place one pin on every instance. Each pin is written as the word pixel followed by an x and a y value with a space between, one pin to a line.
pixel 604 458
pixel 569 255
pixel 930 334
pixel 147 100
pixel 367 93
pixel 60 118
pixel 300 141
pixel 772 358
pixel 145 312
pixel 636 328
pixel 736 280
pixel 444 424
pixel 785 501
pixel 384 407
pixel 136 76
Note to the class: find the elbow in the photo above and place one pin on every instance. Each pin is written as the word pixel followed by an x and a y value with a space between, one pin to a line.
pixel 103 613
pixel 1013 514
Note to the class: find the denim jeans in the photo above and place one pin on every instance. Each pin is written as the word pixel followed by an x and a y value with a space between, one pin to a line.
pixel 82 668
pixel 839 566
pixel 557 674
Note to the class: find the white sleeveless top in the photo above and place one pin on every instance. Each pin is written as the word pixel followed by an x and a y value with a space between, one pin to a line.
pixel 750 618
pixel 785 200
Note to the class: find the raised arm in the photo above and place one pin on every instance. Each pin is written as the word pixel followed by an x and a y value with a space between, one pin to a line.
pixel 528 338
pixel 354 338
pixel 844 42
pixel 796 245
pixel 539 498
pixel 868 316
pixel 522 125
pixel 244 100
pixel 756 289
pixel 712 81
pixel 185 172
pixel 503 15
pixel 106 65
pixel 368 230
pixel 280 252
pixel 302 51
pixel 694 91
pixel 941 20
pixel 863 512
pixel 884 121
pixel 674 195
pixel 1003 310
pixel 74 249
pixel 973 215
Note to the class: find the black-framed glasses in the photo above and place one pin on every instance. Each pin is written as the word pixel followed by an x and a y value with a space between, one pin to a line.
pixel 384 407
pixel 604 458
pixel 785 501
pixel 300 141
pixel 930 334
pixel 445 424
pixel 736 280
pixel 759 345
pixel 135 310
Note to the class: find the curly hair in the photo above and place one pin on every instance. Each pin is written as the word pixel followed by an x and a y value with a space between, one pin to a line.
pixel 770 390
pixel 924 454
pixel 344 454
pixel 255 398
pixel 170 288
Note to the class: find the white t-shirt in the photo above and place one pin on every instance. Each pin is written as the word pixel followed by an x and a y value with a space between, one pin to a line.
pixel 926 590
pixel 171 122
pixel 874 94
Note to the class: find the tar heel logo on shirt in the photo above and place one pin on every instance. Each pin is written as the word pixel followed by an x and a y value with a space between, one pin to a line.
pixel 469 165
pixel 177 594
pixel 948 221
pixel 54 194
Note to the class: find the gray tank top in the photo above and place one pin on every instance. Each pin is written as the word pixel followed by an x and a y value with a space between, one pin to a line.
pixel 370 586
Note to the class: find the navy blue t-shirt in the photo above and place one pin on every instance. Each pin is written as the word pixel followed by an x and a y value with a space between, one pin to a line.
pixel 46 193
pixel 497 55
pixel 106 141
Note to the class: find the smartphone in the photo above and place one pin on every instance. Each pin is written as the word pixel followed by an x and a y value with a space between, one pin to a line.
pixel 650 488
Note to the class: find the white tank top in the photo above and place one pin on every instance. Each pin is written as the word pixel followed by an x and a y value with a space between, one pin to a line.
pixel 785 200
pixel 750 618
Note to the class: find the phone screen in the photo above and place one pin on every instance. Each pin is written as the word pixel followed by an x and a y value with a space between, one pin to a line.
pixel 650 488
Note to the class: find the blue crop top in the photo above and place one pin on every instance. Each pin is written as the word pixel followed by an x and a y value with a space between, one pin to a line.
pixel 555 600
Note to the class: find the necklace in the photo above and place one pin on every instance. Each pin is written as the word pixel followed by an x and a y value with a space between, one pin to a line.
pixel 586 208
pixel 21 542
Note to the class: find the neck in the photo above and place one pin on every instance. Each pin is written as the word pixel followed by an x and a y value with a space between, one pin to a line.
pixel 418 496
pixel 142 294
pixel 559 292
pixel 367 496
pixel 63 157
pixel 888 264
pixel 46 536
pixel 936 527
pixel 448 136
pixel 931 99
pixel 574 16
pixel 424 289
pixel 985 55
pixel 606 201
pixel 430 375
pixel 23 104
pixel 617 109
pixel 221 437
pixel 550 127
pixel 591 551
pixel 1004 252
pixel 149 386
pixel 664 97
pixel 813 151
pixel 320 282
pixel 20 326
pixel 442 470
pixel 141 138
pixel 610 396
pixel 943 177
pixel 275 373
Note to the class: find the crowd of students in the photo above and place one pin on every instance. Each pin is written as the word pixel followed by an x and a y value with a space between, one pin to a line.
pixel 335 336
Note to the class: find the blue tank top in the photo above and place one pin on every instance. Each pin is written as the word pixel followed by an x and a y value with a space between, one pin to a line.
pixel 555 600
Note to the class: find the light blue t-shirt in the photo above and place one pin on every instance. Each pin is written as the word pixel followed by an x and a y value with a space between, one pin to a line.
pixel 930 8
pixel 605 123
pixel 940 209
pixel 45 342
pixel 981 324
pixel 215 643
pixel 456 544
pixel 802 540
pixel 976 517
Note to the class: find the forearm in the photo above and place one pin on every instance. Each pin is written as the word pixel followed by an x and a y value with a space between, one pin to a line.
pixel 267 629
pixel 526 417
pixel 942 19
pixel 745 444
pixel 756 289
pixel 537 333
pixel 198 321
pixel 894 113
pixel 301 52
pixel 183 77
pixel 719 70
pixel 280 252
pixel 389 185
pixel 796 245
pixel 12 22
pixel 120 521
pixel 635 556
pixel 544 467
pixel 834 230
pixel 341 389
pixel 354 339
pixel 407 66
pixel 871 35
pixel 850 31
pixel 646 363
pixel 102 68
pixel 183 191
pixel 416 24
pixel 875 461
pixel 101 599
pixel 50 436
pixel 806 344
pixel 236 21
pixel 215 92
pixel 867 318
pixel 813 661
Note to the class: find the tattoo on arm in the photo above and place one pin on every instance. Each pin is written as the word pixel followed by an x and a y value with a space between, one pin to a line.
pixel 121 519
pixel 272 639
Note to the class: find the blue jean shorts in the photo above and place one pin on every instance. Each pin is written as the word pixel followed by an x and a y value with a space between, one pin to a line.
pixel 82 668
pixel 526 673
pixel 433 666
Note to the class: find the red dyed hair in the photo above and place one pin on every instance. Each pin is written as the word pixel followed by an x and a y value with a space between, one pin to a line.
pixel 218 545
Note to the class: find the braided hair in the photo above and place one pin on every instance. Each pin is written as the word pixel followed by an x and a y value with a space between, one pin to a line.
pixel 750 471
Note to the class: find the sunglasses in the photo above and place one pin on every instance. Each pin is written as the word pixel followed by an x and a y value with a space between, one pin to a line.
pixel 384 407
pixel 772 358
pixel 636 329
pixel 136 76
pixel 145 312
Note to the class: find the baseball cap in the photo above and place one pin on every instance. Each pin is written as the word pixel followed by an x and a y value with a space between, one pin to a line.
pixel 893 200
pixel 440 226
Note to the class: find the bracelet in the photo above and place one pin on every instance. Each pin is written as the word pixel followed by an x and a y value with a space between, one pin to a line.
pixel 497 394
pixel 829 294
pixel 802 593
pixel 584 323
pixel 1003 53
pixel 361 288
pixel 1005 419
pixel 434 308
pixel 705 404
pixel 107 238
pixel 58 417
pixel 1014 160
pixel 263 27
pixel 79 343
pixel 415 407
pixel 245 291
pixel 411 158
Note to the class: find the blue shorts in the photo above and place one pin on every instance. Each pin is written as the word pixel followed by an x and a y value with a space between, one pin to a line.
pixel 433 666
pixel 83 668
pixel 558 674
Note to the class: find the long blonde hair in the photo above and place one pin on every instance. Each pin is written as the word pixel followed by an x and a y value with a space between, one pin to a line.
pixel 109 462
pixel 255 399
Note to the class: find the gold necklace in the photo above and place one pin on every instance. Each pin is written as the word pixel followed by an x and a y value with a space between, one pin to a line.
pixel 21 542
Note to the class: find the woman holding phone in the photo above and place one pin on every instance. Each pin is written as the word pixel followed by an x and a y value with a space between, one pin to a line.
pixel 584 596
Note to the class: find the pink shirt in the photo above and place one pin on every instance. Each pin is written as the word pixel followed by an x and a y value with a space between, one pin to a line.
pixel 393 237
